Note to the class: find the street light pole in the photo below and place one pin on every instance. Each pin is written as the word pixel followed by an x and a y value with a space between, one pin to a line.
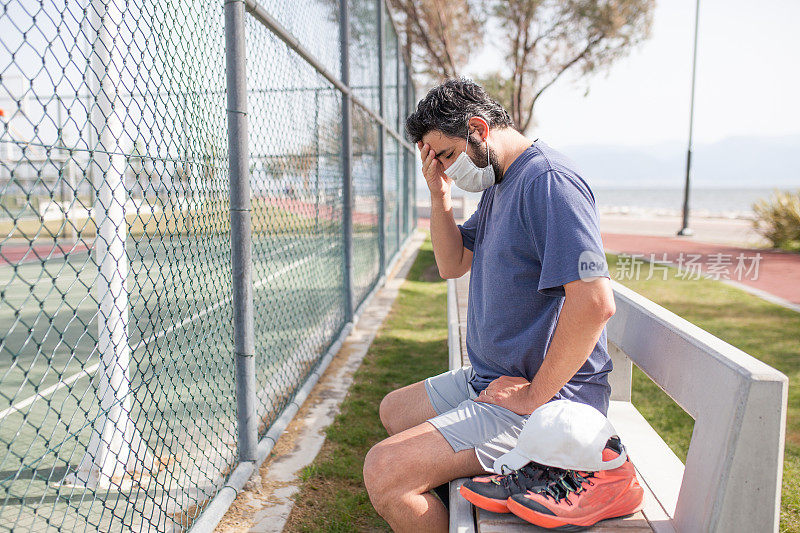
pixel 685 230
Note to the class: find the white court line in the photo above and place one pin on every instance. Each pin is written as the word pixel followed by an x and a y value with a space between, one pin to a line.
pixel 91 370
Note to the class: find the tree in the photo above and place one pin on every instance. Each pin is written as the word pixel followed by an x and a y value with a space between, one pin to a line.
pixel 542 41
pixel 439 34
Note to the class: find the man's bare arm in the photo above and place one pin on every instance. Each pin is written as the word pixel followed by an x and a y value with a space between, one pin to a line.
pixel 587 307
pixel 452 258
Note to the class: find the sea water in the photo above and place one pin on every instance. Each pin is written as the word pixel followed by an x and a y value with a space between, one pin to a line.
pixel 726 203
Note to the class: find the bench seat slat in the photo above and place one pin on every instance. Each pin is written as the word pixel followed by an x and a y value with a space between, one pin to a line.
pixel 462 519
pixel 489 522
pixel 655 461
pixel 658 469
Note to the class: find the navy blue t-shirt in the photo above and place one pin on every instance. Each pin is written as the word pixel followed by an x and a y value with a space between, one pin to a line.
pixel 527 237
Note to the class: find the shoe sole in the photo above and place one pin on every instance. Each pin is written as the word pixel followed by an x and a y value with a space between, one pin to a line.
pixel 626 505
pixel 489 504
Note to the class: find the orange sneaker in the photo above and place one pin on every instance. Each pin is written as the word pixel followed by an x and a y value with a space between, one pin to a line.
pixel 581 499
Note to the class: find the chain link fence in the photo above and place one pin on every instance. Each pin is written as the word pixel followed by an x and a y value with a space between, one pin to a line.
pixel 196 200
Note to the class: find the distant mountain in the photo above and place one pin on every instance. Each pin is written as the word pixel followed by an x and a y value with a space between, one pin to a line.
pixel 733 163
pixel 736 162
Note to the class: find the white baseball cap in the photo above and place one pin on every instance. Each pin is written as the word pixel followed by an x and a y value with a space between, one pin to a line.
pixel 563 434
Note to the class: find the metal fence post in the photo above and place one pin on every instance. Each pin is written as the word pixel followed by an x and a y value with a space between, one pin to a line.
pixel 241 251
pixel 408 161
pixel 398 161
pixel 316 158
pixel 381 144
pixel 401 114
pixel 347 169
pixel 411 107
pixel 116 447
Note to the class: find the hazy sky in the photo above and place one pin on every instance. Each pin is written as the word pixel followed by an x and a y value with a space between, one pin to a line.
pixel 748 80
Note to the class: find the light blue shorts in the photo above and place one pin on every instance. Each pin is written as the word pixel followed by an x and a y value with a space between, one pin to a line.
pixel 490 429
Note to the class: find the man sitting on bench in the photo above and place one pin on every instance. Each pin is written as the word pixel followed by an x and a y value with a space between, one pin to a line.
pixel 539 300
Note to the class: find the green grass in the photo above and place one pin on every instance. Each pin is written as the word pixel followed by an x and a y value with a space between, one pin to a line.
pixel 410 346
pixel 766 331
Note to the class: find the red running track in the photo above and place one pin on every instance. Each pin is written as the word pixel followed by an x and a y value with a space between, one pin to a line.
pixel 778 272
pixel 17 254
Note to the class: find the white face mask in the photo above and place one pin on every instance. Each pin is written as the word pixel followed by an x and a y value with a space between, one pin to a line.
pixel 467 175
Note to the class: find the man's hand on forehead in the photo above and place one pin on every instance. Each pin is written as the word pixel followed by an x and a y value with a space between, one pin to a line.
pixel 441 156
pixel 432 167
pixel 427 154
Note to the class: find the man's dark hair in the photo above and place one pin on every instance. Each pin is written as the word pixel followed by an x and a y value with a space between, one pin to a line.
pixel 448 106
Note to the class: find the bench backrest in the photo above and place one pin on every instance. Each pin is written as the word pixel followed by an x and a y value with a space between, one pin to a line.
pixel 732 477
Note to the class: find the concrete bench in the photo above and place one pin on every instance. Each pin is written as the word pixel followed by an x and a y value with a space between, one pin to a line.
pixel 732 477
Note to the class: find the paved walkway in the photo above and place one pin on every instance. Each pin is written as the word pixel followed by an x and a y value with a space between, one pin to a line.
pixel 733 232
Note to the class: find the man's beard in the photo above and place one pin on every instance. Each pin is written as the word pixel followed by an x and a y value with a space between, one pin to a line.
pixel 480 152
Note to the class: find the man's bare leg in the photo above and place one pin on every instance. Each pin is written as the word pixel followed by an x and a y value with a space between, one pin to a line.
pixel 405 408
pixel 400 470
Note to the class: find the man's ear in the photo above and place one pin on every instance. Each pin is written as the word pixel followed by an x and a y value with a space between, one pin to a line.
pixel 479 125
